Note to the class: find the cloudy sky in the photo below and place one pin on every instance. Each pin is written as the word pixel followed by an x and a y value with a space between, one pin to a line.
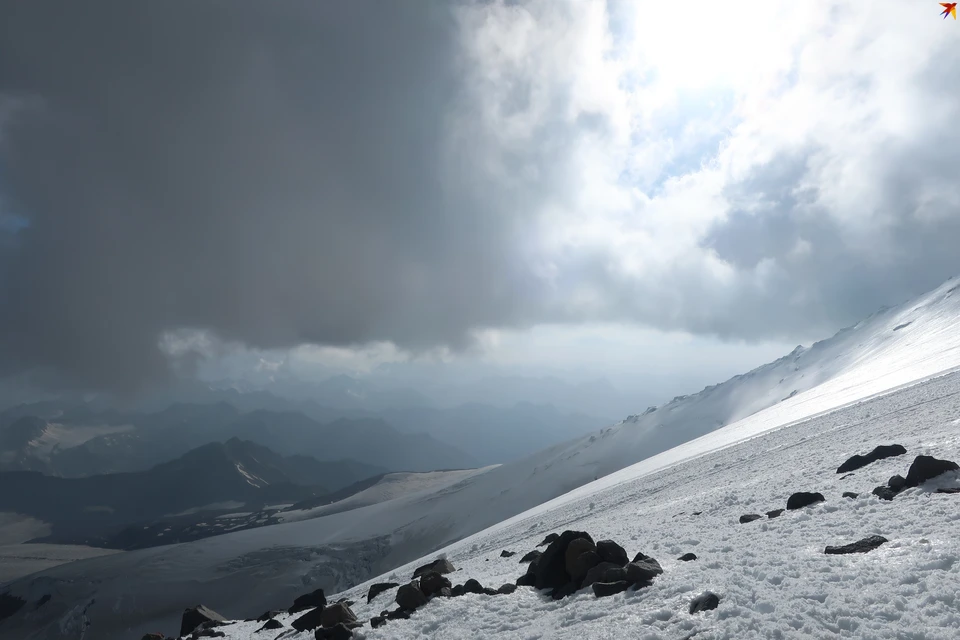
pixel 586 185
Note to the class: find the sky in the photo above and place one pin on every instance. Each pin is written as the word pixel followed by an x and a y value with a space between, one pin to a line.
pixel 652 190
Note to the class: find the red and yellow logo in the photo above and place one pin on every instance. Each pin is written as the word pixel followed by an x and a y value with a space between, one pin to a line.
pixel 949 9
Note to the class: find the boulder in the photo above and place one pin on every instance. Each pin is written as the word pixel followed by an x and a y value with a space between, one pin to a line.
pixel 610 551
pixel 885 493
pixel 377 621
pixel 851 494
pixel 338 632
pixel 378 588
pixel 776 513
pixel 643 570
pixel 803 499
pixel 336 614
pixel 310 600
pixel 440 565
pixel 526 580
pixel 641 556
pixel 879 453
pixel 860 546
pixel 472 586
pixel 949 490
pixel 687 557
pixel 410 597
pixel 271 624
pixel 490 591
pixel 577 567
pixel 551 571
pixel 603 589
pixel 457 591
pixel 507 589
pixel 531 556
pixel 582 564
pixel 398 614
pixel 704 602
pixel 196 616
pixel 445 592
pixel 310 620
pixel 550 538
pixel 927 467
pixel 897 483
pixel 269 615
pixel 750 517
pixel 565 590
pixel 432 582
pixel 604 572
pixel 507 554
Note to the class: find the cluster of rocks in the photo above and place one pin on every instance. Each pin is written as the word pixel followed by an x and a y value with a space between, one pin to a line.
pixel 924 468
pixel 796 501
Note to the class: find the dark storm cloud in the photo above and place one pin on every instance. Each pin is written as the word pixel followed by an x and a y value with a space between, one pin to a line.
pixel 271 171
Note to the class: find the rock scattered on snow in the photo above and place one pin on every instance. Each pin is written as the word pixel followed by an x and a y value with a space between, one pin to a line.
pixel 271 624
pixel 310 600
pixel 604 572
pixel 196 616
pixel 440 565
pixel 750 517
pixel 551 570
pixel 507 589
pixel 338 632
pixel 803 499
pixel 879 453
pixel 927 467
pixel 885 493
pixel 776 513
pixel 339 613
pixel 851 494
pixel 310 620
pixel 860 546
pixel 472 586
pixel 550 538
pixel 704 602
pixel 642 571
pixel 610 551
pixel 507 554
pixel 377 621
pixel 687 557
pixel 410 597
pixel 378 588
pixel 949 490
pixel 432 582
pixel 530 556
pixel 897 482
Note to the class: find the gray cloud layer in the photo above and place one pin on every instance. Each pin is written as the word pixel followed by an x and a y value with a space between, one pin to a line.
pixel 282 173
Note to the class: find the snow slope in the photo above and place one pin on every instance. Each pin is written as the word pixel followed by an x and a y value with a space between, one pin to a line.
pixel 772 575
pixel 263 568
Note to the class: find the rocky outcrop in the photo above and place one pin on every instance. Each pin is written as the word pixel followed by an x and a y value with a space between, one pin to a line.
pixel 879 453
pixel 803 499
pixel 196 616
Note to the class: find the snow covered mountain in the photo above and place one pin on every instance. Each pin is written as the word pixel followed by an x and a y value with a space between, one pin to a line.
pixel 265 568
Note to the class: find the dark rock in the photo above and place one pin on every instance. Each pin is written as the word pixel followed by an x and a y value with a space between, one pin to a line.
pixel 565 590
pixel 340 631
pixel 336 614
pixel 610 551
pixel 603 589
pixel 687 557
pixel 803 499
pixel 472 586
pixel 196 616
pixel 885 493
pixel 507 589
pixel 583 563
pixel 860 546
pixel 44 599
pixel 643 570
pixel 696 513
pixel 576 566
pixel 431 583
pixel 378 588
pixel 551 569
pixel 526 580
pixel 851 494
pixel 457 591
pixel 604 572
pixel 641 556
pixel 879 453
pixel 445 592
pixel 153 636
pixel 750 517
pixel 208 633
pixel 310 600
pixel 310 620
pixel 531 556
pixel 897 483
pixel 946 490
pixel 849 475
pixel 377 621
pixel 398 614
pixel 507 554
pixel 776 513
pixel 704 602
pixel 926 467
pixel 269 615
pixel 490 591
pixel 550 538
pixel 409 596
pixel 271 624
pixel 440 565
